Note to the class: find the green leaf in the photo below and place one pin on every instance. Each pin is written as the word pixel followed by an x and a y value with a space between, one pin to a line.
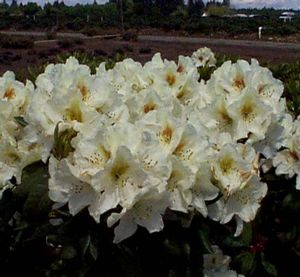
pixel 93 250
pixel 246 262
pixel 84 244
pixel 203 235
pixel 173 248
pixel 33 191
pixel 69 252
pixel 21 121
pixel 37 202
pixel 269 267
pixel 246 236
pixel 234 242
pixel 243 240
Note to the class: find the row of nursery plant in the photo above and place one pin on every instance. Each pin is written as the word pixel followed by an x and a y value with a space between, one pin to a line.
pixel 145 147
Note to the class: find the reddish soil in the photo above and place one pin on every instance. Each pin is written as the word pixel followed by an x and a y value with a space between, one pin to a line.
pixel 16 60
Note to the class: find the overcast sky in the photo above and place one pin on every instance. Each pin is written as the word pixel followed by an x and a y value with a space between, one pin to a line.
pixel 286 4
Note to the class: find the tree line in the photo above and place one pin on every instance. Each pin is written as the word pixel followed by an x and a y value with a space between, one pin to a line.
pixel 167 14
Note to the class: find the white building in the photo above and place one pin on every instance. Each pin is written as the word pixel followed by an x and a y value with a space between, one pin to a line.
pixel 287 16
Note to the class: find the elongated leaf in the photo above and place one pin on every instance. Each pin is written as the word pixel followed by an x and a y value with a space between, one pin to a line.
pixel 246 236
pixel 243 240
pixel 268 266
pixel 203 235
pixel 84 244
pixel 246 261
pixel 21 121
pixel 234 242
pixel 93 250
pixel 33 191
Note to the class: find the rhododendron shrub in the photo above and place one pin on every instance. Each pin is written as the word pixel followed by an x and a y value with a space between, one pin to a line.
pixel 138 143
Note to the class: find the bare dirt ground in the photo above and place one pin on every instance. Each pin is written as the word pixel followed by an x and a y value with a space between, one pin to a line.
pixel 143 49
pixel 295 38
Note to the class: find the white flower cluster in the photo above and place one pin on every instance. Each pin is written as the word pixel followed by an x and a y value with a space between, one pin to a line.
pixel 204 57
pixel 147 138
pixel 17 147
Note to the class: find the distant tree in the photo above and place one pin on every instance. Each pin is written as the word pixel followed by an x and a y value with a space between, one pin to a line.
pixel 142 7
pixel 226 3
pixel 168 6
pixel 218 10
pixel 195 7
pixel 213 3
pixel 31 9
pixel 121 6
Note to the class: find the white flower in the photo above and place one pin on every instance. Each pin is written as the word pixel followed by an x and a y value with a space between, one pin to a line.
pixel 65 77
pixel 164 128
pixel 185 64
pixel 272 142
pixel 244 203
pixel 179 186
pixel 14 92
pixel 66 187
pixel 203 189
pixel 287 161
pixel 267 87
pixel 142 105
pixel 91 153
pixel 191 149
pixel 146 212
pixel 229 80
pixel 157 164
pixel 217 118
pixel 231 169
pixel 204 56
pixel 250 115
pixel 120 181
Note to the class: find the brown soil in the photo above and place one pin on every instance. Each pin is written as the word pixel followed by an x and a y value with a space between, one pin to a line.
pixel 20 59
pixel 295 38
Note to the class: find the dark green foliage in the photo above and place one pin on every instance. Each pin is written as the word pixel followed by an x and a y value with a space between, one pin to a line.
pixel 80 247
pixel 290 75
pixel 168 14
pixel 92 59
pixel 15 42
pixel 31 72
